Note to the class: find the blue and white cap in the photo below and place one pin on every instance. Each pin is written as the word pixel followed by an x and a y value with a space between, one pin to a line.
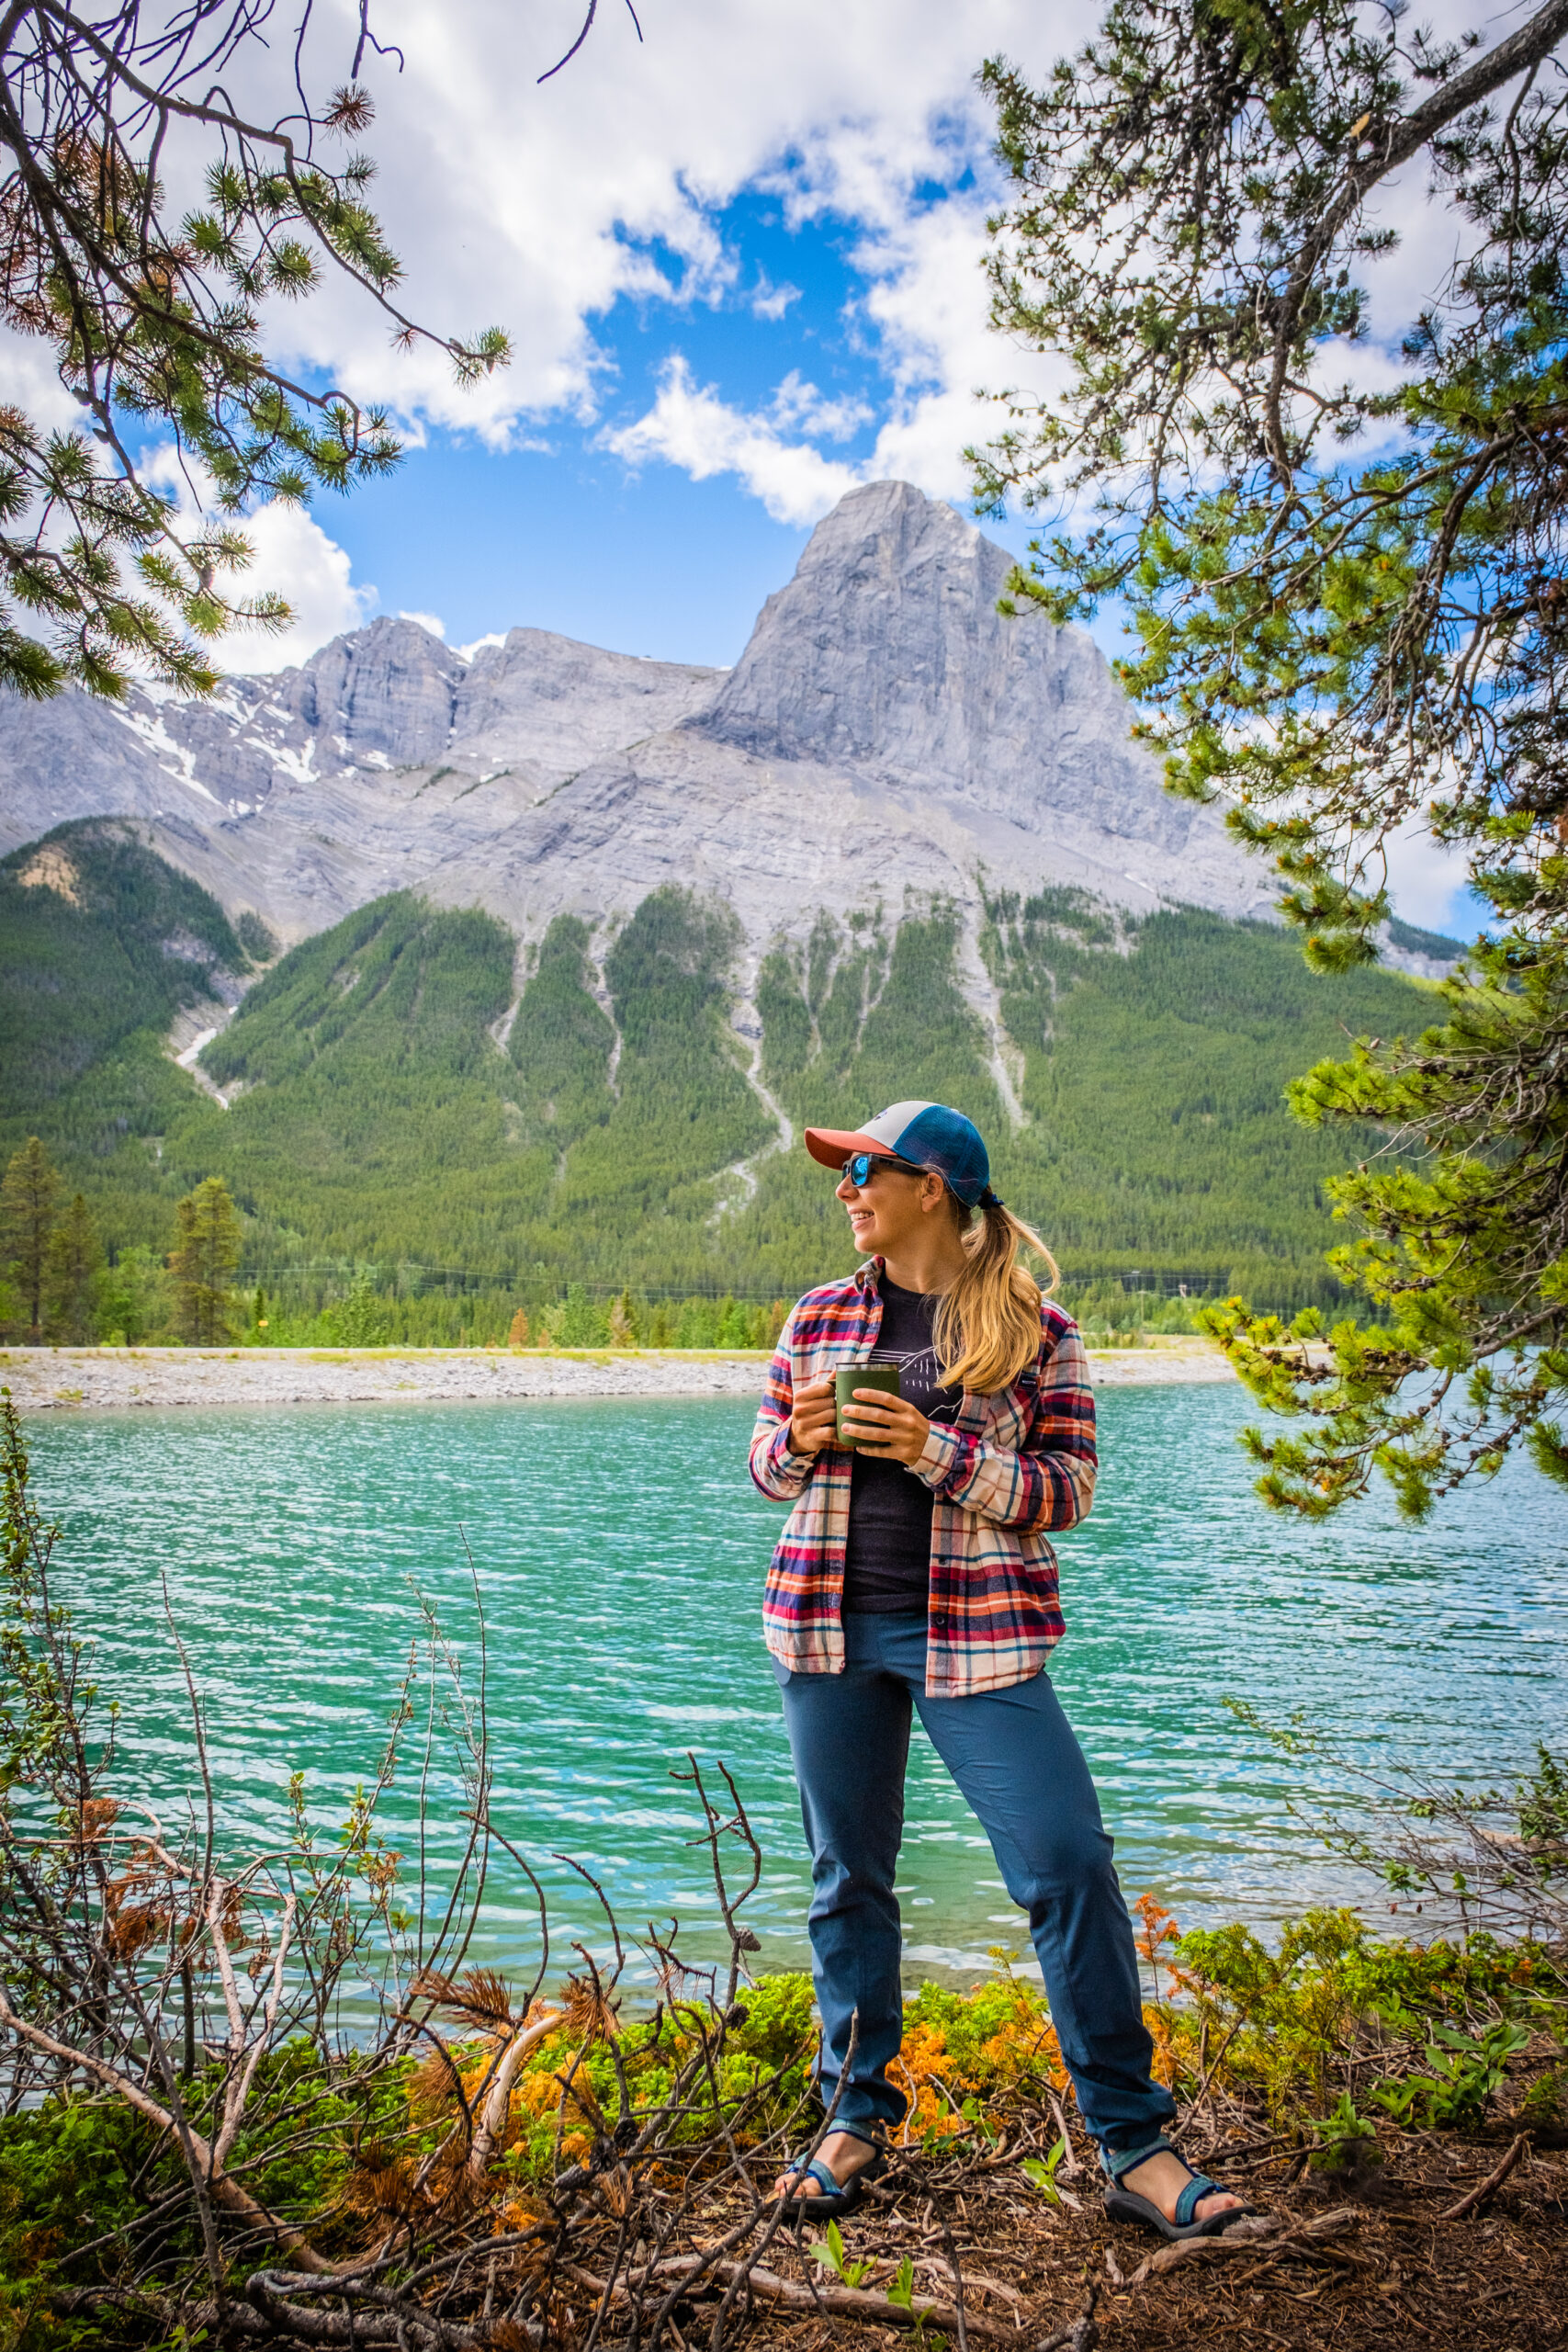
pixel 927 1135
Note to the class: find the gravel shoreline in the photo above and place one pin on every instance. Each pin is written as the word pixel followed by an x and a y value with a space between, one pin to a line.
pixel 93 1379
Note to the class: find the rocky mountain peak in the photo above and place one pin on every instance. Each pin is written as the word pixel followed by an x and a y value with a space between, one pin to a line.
pixel 888 648
pixel 886 739
pixel 388 689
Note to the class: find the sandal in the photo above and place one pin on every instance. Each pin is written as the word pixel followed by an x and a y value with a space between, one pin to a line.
pixel 836 2197
pixel 1125 2204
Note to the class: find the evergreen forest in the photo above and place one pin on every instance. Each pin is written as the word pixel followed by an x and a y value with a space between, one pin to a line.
pixel 412 1151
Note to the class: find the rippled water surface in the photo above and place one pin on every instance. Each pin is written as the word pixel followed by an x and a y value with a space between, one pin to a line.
pixel 619 1550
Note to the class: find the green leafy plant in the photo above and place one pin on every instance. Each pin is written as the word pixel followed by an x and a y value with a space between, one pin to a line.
pixel 1350 2141
pixel 828 2254
pixel 1401 2101
pixel 1042 2171
pixel 901 2293
pixel 974 2113
pixel 1469 2069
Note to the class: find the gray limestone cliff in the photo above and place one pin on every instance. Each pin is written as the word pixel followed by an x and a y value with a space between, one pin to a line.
pixel 886 739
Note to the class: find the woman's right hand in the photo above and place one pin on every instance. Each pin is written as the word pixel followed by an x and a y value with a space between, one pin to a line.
pixel 814 1420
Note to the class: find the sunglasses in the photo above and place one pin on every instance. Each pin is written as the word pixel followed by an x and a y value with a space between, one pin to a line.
pixel 860 1165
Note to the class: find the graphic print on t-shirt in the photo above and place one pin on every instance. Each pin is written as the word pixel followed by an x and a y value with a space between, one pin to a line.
pixel 919 1379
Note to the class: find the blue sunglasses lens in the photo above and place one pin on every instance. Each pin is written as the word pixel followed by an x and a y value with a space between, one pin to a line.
pixel 857 1167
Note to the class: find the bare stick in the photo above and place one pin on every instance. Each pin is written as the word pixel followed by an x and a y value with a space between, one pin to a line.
pixel 225 2192
pixel 1494 2180
pixel 843 2303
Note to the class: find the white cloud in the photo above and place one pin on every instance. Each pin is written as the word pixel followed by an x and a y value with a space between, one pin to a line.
pixel 799 407
pixel 689 425
pixel 771 302
pixel 293 558
pixel 29 381
pixel 1425 882
pixel 539 208
pixel 492 637
pixel 928 303
pixel 427 620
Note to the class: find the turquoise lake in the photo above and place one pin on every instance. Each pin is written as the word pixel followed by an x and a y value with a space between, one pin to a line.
pixel 619 1549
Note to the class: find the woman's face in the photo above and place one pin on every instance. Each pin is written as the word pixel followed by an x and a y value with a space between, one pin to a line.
pixel 888 1210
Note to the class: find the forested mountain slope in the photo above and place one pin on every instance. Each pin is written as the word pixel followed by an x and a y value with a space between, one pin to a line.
pixel 408 1089
pixel 578 942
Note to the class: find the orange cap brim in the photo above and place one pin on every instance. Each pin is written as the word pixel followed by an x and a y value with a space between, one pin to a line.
pixel 832 1145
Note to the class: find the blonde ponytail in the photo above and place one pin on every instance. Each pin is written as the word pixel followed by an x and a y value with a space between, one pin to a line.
pixel 987 1326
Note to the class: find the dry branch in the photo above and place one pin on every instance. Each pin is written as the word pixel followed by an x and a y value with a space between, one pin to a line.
pixel 1494 2180
pixel 843 2303
pixel 491 2131
pixel 1246 2234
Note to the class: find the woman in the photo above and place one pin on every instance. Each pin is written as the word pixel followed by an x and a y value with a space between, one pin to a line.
pixel 915 1572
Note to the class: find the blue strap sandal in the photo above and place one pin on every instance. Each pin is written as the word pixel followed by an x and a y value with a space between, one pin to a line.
pixel 1125 2205
pixel 836 2197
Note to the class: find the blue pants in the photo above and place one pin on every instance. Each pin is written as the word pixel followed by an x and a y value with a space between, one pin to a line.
pixel 1016 1760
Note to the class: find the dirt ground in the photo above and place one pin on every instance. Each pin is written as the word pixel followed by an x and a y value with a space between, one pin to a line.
pixel 1378 2260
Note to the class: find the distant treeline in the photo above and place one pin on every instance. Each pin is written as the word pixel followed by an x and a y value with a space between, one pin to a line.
pixel 61 1286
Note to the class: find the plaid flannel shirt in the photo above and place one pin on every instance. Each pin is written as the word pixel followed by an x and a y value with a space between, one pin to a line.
pixel 1008 1467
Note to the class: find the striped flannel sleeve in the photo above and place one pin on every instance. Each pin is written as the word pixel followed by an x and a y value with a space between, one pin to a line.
pixel 776 1468
pixel 1048 1483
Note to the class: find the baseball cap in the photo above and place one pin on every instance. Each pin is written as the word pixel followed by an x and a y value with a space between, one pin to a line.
pixel 927 1135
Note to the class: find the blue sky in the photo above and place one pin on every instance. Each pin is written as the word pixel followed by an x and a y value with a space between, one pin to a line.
pixel 569 536
pixel 740 262
pixel 561 530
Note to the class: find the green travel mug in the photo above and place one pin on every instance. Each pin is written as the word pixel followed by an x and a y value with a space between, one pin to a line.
pixel 851 1376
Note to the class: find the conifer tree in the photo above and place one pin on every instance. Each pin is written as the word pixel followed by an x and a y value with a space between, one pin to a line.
pixel 28 1199
pixel 205 1252
pixel 162 318
pixel 76 1257
pixel 1347 590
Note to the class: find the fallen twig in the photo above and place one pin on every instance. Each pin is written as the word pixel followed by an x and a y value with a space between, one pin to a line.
pixel 971 2279
pixel 844 2302
pixel 1499 2172
pixel 1246 2234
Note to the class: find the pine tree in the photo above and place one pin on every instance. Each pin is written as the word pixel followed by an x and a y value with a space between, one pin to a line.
pixel 170 317
pixel 205 1252
pixel 27 1198
pixel 584 1325
pixel 517 1337
pixel 1344 596
pixel 361 1320
pixel 76 1257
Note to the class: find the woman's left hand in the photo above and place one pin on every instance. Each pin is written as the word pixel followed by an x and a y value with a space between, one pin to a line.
pixel 888 1426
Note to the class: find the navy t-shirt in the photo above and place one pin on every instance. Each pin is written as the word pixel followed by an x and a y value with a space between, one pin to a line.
pixel 887 1565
